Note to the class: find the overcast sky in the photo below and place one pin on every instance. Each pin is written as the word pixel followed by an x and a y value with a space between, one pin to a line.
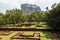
pixel 10 4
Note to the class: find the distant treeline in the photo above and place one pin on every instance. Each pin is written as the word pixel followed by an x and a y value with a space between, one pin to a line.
pixel 15 16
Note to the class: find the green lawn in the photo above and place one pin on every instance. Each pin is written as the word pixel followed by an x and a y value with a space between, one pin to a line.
pixel 41 25
pixel 44 35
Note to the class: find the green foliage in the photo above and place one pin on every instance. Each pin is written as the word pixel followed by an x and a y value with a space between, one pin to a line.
pixel 36 17
pixel 2 20
pixel 54 17
pixel 14 16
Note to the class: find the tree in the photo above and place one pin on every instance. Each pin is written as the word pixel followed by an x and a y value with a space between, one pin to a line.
pixel 2 20
pixel 36 17
pixel 33 17
pixel 14 16
pixel 54 17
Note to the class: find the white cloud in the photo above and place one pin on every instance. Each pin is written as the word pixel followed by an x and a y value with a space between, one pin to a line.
pixel 10 4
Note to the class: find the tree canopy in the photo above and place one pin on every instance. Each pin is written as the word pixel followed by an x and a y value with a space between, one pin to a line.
pixel 54 17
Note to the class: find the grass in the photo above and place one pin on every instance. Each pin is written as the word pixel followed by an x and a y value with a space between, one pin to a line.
pixel 40 25
pixel 9 36
pixel 44 35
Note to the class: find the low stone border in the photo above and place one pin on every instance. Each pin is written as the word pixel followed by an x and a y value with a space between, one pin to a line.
pixel 35 36
pixel 30 29
pixel 5 33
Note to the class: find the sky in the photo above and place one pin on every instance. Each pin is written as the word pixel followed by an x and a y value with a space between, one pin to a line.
pixel 10 4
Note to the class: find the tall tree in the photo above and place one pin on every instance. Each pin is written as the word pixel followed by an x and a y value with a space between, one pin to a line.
pixel 54 17
pixel 2 20
pixel 14 16
pixel 36 17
